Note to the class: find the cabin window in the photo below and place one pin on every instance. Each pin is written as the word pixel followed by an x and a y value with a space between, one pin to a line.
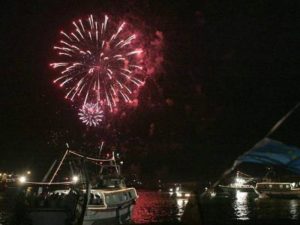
pixel 98 200
pixel 91 199
pixel 287 186
pixel 107 198
pixel 111 199
pixel 270 185
pixel 281 186
pixel 120 197
pixel 114 198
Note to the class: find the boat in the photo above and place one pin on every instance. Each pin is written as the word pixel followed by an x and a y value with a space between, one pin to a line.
pixel 8 182
pixel 176 190
pixel 37 203
pixel 278 189
pixel 242 183
pixel 110 201
pixel 232 188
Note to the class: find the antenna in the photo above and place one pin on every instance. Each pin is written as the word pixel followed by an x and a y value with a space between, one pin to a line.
pixel 100 148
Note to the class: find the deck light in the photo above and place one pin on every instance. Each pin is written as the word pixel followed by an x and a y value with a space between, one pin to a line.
pixel 178 194
pixel 22 179
pixel 75 179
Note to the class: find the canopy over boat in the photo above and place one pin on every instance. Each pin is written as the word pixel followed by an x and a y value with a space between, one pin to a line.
pixel 272 152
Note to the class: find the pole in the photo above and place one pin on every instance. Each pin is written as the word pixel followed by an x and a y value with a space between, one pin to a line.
pixel 100 149
pixel 61 161
pixel 278 124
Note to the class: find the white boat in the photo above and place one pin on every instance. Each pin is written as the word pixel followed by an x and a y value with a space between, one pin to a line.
pixel 236 187
pixel 110 206
pixel 241 183
pixel 278 189
pixel 38 203
pixel 110 201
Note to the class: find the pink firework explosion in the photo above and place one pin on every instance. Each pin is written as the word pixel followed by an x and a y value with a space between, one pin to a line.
pixel 91 114
pixel 100 61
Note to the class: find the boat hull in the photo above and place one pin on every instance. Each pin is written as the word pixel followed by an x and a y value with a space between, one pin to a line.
pixel 277 190
pixel 116 206
pixel 232 190
pixel 48 217
pixel 280 195
pixel 114 215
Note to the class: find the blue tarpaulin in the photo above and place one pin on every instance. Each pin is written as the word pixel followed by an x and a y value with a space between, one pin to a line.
pixel 272 152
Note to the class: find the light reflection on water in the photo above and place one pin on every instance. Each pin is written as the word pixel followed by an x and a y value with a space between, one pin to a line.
pixel 240 205
pixel 243 206
pixel 277 208
pixel 294 209
pixel 181 203
pixel 153 207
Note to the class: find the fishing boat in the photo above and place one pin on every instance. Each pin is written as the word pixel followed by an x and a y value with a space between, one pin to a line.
pixel 110 201
pixel 37 203
pixel 242 183
pixel 278 189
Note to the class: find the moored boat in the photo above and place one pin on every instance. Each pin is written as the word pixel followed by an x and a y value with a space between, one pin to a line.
pixel 110 206
pixel 37 203
pixel 110 201
pixel 232 188
pixel 242 182
pixel 93 199
pixel 278 189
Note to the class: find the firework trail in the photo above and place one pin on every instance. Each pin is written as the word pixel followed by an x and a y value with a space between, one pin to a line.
pixel 100 62
pixel 91 114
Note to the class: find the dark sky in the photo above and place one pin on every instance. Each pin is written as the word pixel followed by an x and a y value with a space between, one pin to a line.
pixel 230 72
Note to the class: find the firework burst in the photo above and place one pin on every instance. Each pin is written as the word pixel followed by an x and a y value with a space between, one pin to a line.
pixel 91 114
pixel 100 61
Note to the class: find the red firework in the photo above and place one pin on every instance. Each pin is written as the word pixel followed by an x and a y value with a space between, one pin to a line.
pixel 100 63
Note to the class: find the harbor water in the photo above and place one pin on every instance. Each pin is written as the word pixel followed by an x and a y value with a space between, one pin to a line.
pixel 240 208
pixel 158 207
pixel 248 208
pixel 155 207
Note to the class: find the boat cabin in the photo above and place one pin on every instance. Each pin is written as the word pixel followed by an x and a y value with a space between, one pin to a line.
pixel 277 186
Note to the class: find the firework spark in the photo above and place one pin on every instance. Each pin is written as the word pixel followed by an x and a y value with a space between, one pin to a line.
pixel 100 62
pixel 91 114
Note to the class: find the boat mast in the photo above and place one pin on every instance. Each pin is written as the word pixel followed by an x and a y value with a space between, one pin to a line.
pixel 100 149
pixel 281 121
pixel 57 169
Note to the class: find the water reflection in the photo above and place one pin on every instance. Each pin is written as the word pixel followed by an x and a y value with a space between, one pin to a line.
pixel 294 209
pixel 240 205
pixel 181 203
pixel 277 208
pixel 154 207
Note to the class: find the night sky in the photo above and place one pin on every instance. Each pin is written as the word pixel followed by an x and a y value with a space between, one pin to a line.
pixel 229 73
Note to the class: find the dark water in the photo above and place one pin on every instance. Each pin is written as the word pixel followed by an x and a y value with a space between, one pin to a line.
pixel 241 208
pixel 158 207
pixel 247 208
